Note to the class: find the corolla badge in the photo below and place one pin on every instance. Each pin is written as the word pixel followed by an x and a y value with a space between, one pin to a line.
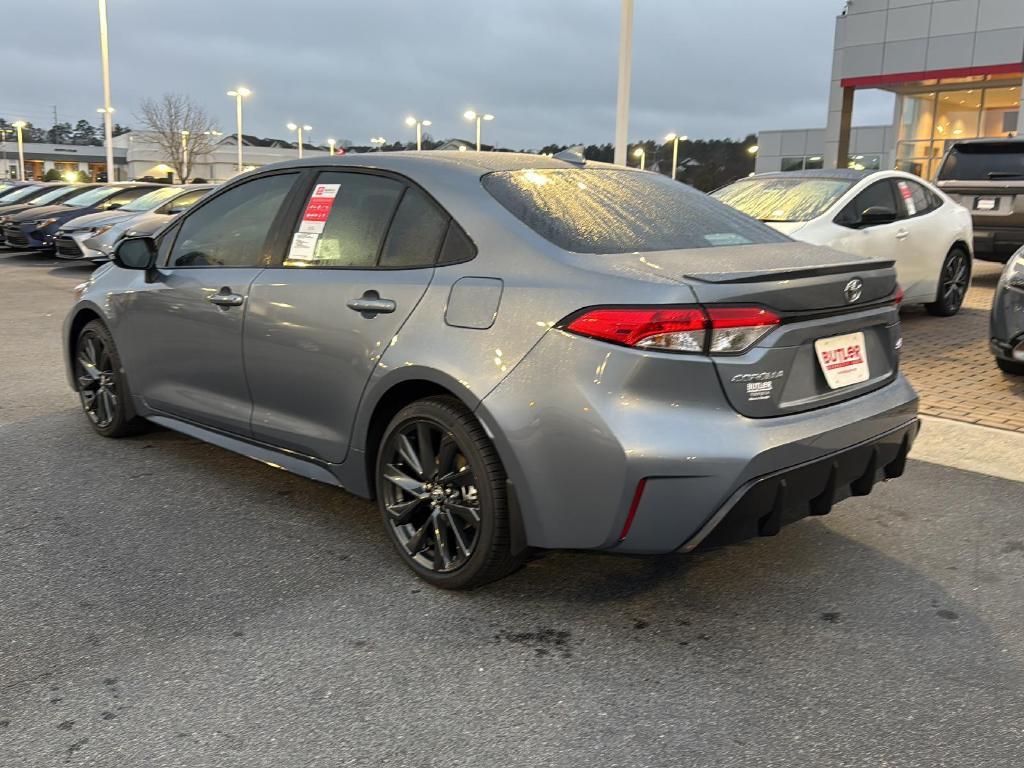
pixel 853 290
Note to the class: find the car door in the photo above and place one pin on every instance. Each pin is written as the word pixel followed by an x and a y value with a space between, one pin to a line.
pixel 878 240
pixel 184 325
pixel 926 242
pixel 360 256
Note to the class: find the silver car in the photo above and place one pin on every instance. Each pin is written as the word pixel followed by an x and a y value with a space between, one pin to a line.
pixel 506 351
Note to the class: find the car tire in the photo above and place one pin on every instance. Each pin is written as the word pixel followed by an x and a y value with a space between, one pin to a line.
pixel 1010 366
pixel 101 384
pixel 441 490
pixel 954 280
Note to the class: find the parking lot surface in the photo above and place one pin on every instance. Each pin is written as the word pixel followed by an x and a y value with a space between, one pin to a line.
pixel 947 360
pixel 166 603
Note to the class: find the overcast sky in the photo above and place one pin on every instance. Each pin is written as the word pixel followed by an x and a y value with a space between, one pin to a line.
pixel 547 70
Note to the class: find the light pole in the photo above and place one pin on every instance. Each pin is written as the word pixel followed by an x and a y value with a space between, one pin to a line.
pixel 380 141
pixel 471 115
pixel 622 100
pixel 639 152
pixel 108 112
pixel 21 149
pixel 675 139
pixel 184 156
pixel 299 129
pixel 330 147
pixel 3 150
pixel 411 121
pixel 238 94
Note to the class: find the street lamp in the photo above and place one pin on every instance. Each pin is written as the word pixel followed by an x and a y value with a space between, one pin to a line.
pixel 380 141
pixel 238 94
pixel 622 97
pixel 411 121
pixel 299 129
pixel 752 149
pixel 639 152
pixel 330 146
pixel 184 156
pixel 471 115
pixel 675 139
pixel 108 112
pixel 19 125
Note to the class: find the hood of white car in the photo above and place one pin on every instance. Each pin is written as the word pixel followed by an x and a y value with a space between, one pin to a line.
pixel 789 228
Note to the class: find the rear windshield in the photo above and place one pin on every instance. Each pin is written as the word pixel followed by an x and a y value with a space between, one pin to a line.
pixel 974 162
pixel 152 200
pixel 782 199
pixel 91 197
pixel 618 211
pixel 16 194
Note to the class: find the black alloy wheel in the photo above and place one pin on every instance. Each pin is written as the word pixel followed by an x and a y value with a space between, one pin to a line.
pixel 954 281
pixel 441 492
pixel 100 383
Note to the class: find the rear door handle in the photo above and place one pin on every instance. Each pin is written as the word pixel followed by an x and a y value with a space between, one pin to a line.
pixel 223 299
pixel 902 234
pixel 370 303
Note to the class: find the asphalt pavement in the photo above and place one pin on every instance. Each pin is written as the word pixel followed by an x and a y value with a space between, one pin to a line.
pixel 167 603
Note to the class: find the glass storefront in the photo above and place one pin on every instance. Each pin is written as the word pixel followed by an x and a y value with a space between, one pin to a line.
pixel 930 120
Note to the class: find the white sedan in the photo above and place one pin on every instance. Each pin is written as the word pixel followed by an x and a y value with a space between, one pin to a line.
pixel 882 214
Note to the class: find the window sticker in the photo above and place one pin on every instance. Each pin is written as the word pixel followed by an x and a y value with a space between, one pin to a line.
pixel 726 238
pixel 318 208
pixel 303 246
pixel 908 197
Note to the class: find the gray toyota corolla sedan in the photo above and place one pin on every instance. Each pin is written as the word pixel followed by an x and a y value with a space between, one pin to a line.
pixel 506 351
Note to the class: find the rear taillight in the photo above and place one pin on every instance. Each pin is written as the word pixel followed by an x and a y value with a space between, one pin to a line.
pixel 716 330
pixel 898 299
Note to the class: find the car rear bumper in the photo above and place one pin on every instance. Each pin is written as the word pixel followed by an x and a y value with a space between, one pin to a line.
pixel 619 431
pixel 997 244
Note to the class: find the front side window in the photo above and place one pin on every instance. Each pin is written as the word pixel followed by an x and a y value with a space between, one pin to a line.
pixel 602 211
pixel 184 202
pixel 344 221
pixel 91 197
pixel 773 198
pixel 877 195
pixel 231 229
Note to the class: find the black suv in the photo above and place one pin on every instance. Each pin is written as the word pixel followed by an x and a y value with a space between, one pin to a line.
pixel 986 176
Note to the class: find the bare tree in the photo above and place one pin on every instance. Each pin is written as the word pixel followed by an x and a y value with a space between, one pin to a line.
pixel 181 128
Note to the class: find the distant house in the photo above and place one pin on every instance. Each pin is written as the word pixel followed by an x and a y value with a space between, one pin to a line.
pixel 461 145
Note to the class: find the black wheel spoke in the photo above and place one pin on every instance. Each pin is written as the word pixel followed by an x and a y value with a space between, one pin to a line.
pixel 401 511
pixel 469 514
pixel 441 555
pixel 425 444
pixel 414 545
pixel 397 477
pixel 460 543
pixel 409 455
pixel 461 476
pixel 446 454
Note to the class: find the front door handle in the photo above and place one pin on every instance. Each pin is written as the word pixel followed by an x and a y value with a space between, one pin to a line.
pixel 370 303
pixel 902 234
pixel 226 299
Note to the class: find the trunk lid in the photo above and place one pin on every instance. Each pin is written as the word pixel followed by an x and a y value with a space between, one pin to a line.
pixel 818 293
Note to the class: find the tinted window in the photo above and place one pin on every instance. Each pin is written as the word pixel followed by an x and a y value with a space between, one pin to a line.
pixel 125 196
pixel 91 196
pixel 17 193
pixel 619 211
pixel 230 230
pixel 186 201
pixel 984 161
pixel 917 200
pixel 55 195
pixel 878 195
pixel 344 221
pixel 416 232
pixel 772 198
pixel 151 198
pixel 457 246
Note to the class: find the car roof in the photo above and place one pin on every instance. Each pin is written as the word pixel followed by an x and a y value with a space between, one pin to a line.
pixel 996 140
pixel 442 161
pixel 844 174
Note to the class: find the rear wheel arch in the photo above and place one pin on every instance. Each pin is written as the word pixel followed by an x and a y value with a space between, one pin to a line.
pixel 85 316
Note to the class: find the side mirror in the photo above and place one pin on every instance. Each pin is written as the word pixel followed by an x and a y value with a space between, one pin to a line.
pixel 136 253
pixel 877 214
pixel 114 206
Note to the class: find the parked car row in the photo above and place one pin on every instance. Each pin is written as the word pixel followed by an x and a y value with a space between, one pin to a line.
pixel 84 221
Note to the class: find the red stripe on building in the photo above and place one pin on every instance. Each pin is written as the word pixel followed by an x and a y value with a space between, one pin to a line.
pixel 873 81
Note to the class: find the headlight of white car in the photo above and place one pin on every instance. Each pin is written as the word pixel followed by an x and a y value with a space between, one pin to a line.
pixel 100 230
pixel 1013 275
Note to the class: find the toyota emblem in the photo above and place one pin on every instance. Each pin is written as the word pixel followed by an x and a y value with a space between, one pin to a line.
pixel 853 290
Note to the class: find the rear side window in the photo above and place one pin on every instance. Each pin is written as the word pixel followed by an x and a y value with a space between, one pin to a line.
pixel 457 246
pixel 603 211
pixel 184 202
pixel 878 195
pixel 416 233
pixel 983 161
pixel 917 200
pixel 125 196
pixel 344 221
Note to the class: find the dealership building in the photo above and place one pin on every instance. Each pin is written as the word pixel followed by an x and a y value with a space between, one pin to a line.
pixel 954 66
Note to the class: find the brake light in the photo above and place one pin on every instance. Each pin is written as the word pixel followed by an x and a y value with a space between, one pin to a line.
pixel 899 295
pixel 679 330
pixel 734 329
pixel 716 330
